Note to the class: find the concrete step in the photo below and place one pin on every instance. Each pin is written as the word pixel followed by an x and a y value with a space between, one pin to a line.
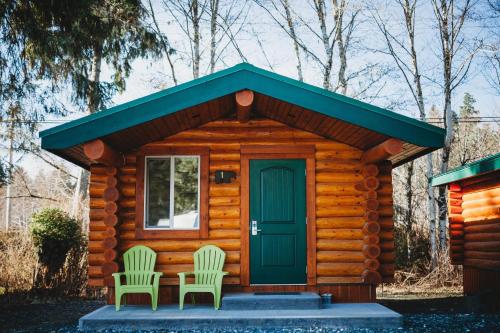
pixel 271 301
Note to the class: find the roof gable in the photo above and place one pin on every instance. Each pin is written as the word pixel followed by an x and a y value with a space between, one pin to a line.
pixel 221 86
pixel 479 167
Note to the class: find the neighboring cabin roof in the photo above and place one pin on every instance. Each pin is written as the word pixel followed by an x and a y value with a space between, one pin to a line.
pixel 479 167
pixel 383 123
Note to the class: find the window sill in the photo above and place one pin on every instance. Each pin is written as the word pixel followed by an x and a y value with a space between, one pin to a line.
pixel 167 234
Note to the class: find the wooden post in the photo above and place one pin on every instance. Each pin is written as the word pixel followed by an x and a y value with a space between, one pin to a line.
pixel 99 152
pixel 244 102
pixel 382 151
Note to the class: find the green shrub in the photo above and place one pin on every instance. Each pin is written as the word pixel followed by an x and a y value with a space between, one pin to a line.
pixel 54 234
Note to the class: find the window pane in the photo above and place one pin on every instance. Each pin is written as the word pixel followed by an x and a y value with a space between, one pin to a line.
pixel 158 192
pixel 186 193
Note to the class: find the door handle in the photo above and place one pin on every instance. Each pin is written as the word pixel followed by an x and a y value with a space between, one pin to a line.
pixel 255 229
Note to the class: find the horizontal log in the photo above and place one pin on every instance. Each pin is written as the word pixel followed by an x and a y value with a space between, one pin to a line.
pixel 478 203
pixel 483 246
pixel 111 194
pixel 126 179
pixel 339 234
pixel 370 170
pixel 225 165
pixel 172 270
pixel 332 145
pixel 371 239
pixel 455 218
pixel 224 212
pixel 482 194
pixel 338 154
pixel 387 269
pixel 483 221
pixel 370 195
pixel 339 200
pixel 338 279
pixel 97 214
pixel 371 251
pixel 100 152
pixel 480 237
pixel 127 191
pixel 386 223
pixel 387 245
pixel 225 155
pixel 109 243
pixel 337 189
pixel 224 201
pixel 456 226
pixel 95 271
pixel 109 268
pixel 382 151
pixel 339 211
pixel 482 263
pixel 224 190
pixel 482 228
pixel 340 222
pixel 127 203
pixel 371 277
pixel 387 257
pixel 183 245
pixel 339 269
pixel 386 235
pixel 371 264
pixel 482 255
pixel 349 177
pixel 338 165
pixel 339 245
pixel 95 282
pixel 481 212
pixel 95 259
pixel 339 256
pixel 371 228
pixel 224 234
pixel 174 258
pixel 224 223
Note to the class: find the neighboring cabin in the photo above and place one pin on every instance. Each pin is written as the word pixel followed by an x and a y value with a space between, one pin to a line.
pixel 474 222
pixel 292 181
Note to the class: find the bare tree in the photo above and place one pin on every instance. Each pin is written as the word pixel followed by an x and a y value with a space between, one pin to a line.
pixel 406 59
pixel 456 59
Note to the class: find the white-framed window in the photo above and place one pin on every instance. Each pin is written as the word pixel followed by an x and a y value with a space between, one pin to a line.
pixel 172 192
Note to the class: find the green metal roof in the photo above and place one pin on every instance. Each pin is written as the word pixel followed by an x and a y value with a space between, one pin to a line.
pixel 484 165
pixel 231 80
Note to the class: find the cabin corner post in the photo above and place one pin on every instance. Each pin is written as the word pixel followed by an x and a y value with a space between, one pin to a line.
pixel 111 196
pixel 456 224
pixel 371 227
pixel 386 213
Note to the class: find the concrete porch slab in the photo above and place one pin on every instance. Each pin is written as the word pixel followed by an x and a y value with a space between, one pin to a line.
pixel 135 317
pixel 271 301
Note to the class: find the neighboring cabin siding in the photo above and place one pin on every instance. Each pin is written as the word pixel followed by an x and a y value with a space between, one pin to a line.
pixel 340 205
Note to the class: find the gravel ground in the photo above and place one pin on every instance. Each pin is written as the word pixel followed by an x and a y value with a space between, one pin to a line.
pixel 426 316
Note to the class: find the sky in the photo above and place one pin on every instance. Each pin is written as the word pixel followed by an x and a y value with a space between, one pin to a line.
pixel 264 44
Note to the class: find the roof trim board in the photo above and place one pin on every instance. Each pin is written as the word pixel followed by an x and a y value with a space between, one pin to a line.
pixel 231 80
pixel 484 165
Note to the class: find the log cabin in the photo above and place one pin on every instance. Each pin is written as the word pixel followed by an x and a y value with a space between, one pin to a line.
pixel 474 222
pixel 292 181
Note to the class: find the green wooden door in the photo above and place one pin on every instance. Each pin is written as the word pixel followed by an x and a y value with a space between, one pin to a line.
pixel 278 222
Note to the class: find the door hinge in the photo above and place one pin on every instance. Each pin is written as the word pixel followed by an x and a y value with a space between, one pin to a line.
pixel 306 269
pixel 306 219
pixel 305 172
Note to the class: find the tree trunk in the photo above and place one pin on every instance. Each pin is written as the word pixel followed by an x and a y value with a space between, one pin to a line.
pixel 409 207
pixel 327 66
pixel 8 194
pixel 338 14
pixel 431 211
pixel 196 38
pixel 289 20
pixel 214 8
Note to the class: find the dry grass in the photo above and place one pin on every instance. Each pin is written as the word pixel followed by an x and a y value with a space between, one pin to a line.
pixel 444 280
pixel 21 272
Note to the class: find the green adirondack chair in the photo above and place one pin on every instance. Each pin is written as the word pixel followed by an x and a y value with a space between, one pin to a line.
pixel 140 278
pixel 208 274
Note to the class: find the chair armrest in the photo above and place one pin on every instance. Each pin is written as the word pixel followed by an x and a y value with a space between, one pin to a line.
pixel 182 277
pixel 156 278
pixel 117 277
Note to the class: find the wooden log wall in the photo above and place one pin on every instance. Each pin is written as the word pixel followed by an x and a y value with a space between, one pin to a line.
pixel 341 207
pixel 456 224
pixel 103 235
pixel 480 212
pixel 386 212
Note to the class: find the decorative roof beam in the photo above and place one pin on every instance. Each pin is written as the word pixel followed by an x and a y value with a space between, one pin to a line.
pixel 382 151
pixel 244 103
pixel 99 152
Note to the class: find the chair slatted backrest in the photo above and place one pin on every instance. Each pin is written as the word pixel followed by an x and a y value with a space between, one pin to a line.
pixel 139 263
pixel 208 260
